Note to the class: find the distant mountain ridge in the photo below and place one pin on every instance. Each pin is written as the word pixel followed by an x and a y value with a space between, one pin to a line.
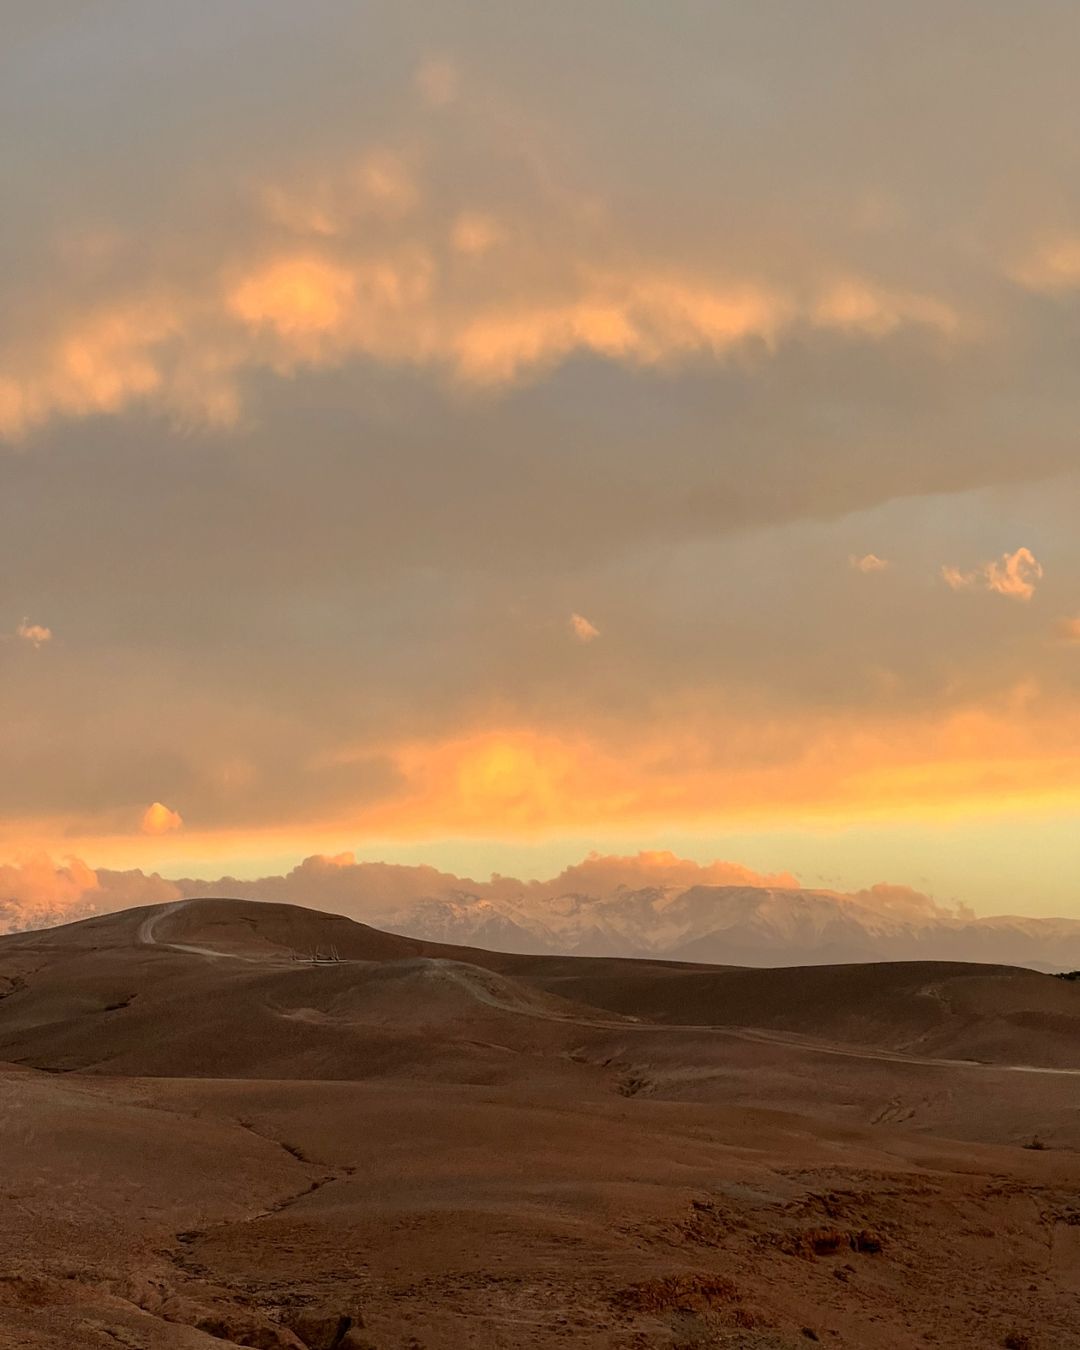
pixel 735 925
pixel 648 905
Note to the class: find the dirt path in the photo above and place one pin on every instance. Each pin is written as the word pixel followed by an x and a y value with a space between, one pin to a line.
pixel 145 936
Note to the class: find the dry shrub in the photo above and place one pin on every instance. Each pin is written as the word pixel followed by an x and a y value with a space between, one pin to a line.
pixel 678 1293
pixel 813 1242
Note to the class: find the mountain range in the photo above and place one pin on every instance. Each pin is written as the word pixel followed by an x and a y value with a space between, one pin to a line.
pixel 652 905
pixel 737 925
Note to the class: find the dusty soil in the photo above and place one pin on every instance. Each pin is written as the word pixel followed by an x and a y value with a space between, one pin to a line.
pixel 207 1141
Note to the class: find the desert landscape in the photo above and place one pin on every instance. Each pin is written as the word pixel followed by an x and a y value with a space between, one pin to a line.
pixel 254 1124
pixel 539 675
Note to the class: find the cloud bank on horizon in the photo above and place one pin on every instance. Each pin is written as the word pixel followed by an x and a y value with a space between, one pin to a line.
pixel 652 904
pixel 345 354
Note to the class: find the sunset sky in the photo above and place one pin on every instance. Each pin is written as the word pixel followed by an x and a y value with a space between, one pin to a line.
pixel 480 433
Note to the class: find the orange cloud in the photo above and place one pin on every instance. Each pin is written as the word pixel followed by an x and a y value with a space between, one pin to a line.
pixel 373 277
pixel 36 891
pixel 34 633
pixel 1014 575
pixel 604 874
pixel 690 764
pixel 582 629
pixel 869 562
pixel 160 819
pixel 861 306
pixel 297 297
pixel 101 362
pixel 704 768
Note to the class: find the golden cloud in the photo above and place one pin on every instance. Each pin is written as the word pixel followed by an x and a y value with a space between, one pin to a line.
pixel 160 819
pixel 688 766
pixel 868 562
pixel 479 299
pixel 704 768
pixel 1014 575
pixel 582 629
pixel 34 633
pixel 859 305
pixel 102 361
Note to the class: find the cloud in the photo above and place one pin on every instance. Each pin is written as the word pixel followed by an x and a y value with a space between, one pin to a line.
pixel 905 902
pixel 160 819
pixel 298 297
pixel 34 633
pixel 99 361
pixel 859 306
pixel 582 629
pixel 38 892
pixel 868 562
pixel 186 357
pixel 369 370
pixel 603 875
pixel 1014 575
pixel 342 257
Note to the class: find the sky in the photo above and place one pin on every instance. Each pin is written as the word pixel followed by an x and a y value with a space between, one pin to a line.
pixel 484 433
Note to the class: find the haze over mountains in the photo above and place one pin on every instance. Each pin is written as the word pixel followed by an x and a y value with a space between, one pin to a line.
pixel 650 905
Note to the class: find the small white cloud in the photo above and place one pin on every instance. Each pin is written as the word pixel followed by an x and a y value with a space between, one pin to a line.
pixel 868 562
pixel 582 629
pixel 160 819
pixel 1014 575
pixel 34 633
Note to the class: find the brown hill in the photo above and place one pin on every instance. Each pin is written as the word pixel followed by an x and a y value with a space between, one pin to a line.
pixel 998 1014
pixel 222 987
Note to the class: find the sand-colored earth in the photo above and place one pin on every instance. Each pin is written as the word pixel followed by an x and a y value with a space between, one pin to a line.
pixel 210 1138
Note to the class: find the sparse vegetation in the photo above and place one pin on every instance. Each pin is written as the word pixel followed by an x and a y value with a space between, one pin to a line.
pixel 679 1293
pixel 1067 974
pixel 631 1085
pixel 815 1242
pixel 1035 1143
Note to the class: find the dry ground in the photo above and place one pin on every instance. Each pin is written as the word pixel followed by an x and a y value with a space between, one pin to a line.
pixel 207 1142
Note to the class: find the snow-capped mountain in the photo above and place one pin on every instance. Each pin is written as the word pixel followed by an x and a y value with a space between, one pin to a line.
pixel 649 905
pixel 739 925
